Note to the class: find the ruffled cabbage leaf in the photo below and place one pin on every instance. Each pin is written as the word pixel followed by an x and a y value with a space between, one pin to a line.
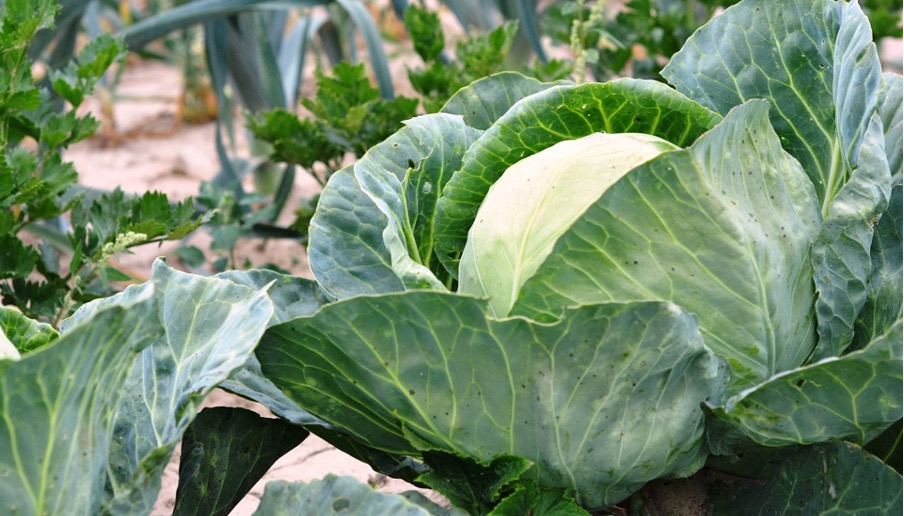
pixel 816 63
pixel 722 228
pixel 602 401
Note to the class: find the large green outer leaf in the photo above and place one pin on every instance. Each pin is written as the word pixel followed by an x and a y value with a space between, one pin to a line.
pixel 815 61
pixel 296 297
pixel 373 230
pixel 836 478
pixel 855 396
pixel 225 452
pixel 57 408
pixel 546 118
pixel 602 401
pixel 487 99
pixel 722 229
pixel 208 328
pixel 24 333
pixel 333 495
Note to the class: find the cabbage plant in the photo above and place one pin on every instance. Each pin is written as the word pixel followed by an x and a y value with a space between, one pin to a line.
pixel 546 299
pixel 621 282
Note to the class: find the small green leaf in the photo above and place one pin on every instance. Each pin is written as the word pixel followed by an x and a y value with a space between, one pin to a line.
pixel 426 32
pixel 76 81
pixel 436 83
pixel 294 140
pixel 529 498
pixel 191 256
pixel 225 452
pixel 471 485
pixel 16 260
pixel 347 88
pixel 481 55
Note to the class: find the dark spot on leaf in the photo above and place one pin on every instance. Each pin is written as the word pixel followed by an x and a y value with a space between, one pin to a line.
pixel 410 164
pixel 341 505
pixel 411 392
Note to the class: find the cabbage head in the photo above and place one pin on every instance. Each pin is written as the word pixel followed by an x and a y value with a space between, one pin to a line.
pixel 535 201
